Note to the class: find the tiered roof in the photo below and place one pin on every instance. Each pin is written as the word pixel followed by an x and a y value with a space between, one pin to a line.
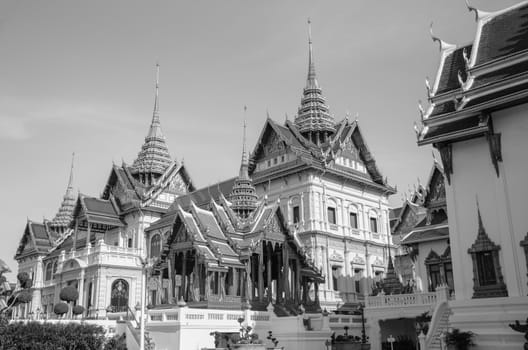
pixel 322 157
pixel 154 156
pixel 63 218
pixel 475 79
pixel 243 195
pixel 313 114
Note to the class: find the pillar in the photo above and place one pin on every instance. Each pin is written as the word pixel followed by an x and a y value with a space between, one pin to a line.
pixel 184 271
pixel 81 288
pixel 269 254
pixel 261 275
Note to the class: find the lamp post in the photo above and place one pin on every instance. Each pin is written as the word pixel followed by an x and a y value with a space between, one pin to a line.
pixel 363 333
pixel 146 264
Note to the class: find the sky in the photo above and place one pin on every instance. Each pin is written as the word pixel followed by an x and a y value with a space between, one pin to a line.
pixel 79 77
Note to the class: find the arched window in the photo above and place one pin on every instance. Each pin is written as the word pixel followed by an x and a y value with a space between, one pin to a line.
pixel 155 246
pixel 119 296
pixel 49 271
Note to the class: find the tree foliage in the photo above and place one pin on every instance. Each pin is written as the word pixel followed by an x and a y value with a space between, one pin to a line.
pixel 77 310
pixel 24 280
pixel 117 342
pixel 46 336
pixel 60 308
pixel 69 294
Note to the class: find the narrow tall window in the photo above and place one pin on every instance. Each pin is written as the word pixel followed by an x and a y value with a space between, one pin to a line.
pixel 155 246
pixel 296 214
pixel 374 225
pixel 331 215
pixel 353 220
pixel 435 279
pixel 486 268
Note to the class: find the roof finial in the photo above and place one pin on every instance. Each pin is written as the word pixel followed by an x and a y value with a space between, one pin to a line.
pixel 311 80
pixel 70 182
pixel 442 44
pixel 245 161
pixel 156 100
pixel 472 9
pixel 480 225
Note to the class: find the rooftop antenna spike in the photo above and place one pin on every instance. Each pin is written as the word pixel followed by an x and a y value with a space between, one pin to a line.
pixel 267 114
pixel 286 115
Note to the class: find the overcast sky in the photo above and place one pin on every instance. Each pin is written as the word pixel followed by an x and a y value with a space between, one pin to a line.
pixel 79 77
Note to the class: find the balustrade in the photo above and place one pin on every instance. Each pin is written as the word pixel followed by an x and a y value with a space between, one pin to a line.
pixel 401 300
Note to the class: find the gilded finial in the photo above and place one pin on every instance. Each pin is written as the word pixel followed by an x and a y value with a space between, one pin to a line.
pixel 417 130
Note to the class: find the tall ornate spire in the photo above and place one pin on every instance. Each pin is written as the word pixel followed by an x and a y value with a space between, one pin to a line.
pixel 154 157
pixel 311 80
pixel 313 117
pixel 243 196
pixel 64 216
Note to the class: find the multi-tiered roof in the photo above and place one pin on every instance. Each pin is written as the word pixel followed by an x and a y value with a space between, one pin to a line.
pixel 243 195
pixel 154 157
pixel 476 79
pixel 313 117
pixel 64 216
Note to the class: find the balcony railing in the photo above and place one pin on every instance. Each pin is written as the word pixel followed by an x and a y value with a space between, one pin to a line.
pixel 381 301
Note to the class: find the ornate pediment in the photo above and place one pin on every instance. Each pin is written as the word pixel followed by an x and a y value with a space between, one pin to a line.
pixel 274 145
pixel 358 260
pixel 177 184
pixel 336 256
pixel 378 262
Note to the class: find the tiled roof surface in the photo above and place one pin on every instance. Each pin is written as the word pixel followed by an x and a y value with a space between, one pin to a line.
pixel 425 235
pixel 203 196
pixel 99 206
pixel 504 34
pixel 444 107
pixel 498 75
pixel 501 93
pixel 453 64
pixel 462 124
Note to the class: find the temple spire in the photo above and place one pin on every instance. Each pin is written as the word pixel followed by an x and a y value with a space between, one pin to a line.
pixel 154 157
pixel 64 216
pixel 313 116
pixel 243 195
pixel 311 81
pixel 244 164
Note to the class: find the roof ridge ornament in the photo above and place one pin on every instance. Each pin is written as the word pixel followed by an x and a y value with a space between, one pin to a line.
pixel 478 13
pixel 422 110
pixel 442 44
pixel 428 87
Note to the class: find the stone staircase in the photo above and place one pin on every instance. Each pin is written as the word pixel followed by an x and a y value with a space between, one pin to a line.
pixel 439 325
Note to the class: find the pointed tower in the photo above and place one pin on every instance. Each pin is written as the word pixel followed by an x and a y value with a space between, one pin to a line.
pixel 313 116
pixel 62 220
pixel 243 196
pixel 154 157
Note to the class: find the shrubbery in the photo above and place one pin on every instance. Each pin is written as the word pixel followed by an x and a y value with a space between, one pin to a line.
pixel 46 336
pixel 77 310
pixel 60 309
pixel 69 294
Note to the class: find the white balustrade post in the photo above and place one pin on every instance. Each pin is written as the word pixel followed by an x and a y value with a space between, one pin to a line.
pixel 421 340
pixel 442 293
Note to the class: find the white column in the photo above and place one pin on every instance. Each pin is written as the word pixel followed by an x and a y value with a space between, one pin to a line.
pixel 36 300
pixel 81 288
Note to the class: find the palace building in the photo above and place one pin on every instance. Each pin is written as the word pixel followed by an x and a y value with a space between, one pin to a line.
pixel 303 227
